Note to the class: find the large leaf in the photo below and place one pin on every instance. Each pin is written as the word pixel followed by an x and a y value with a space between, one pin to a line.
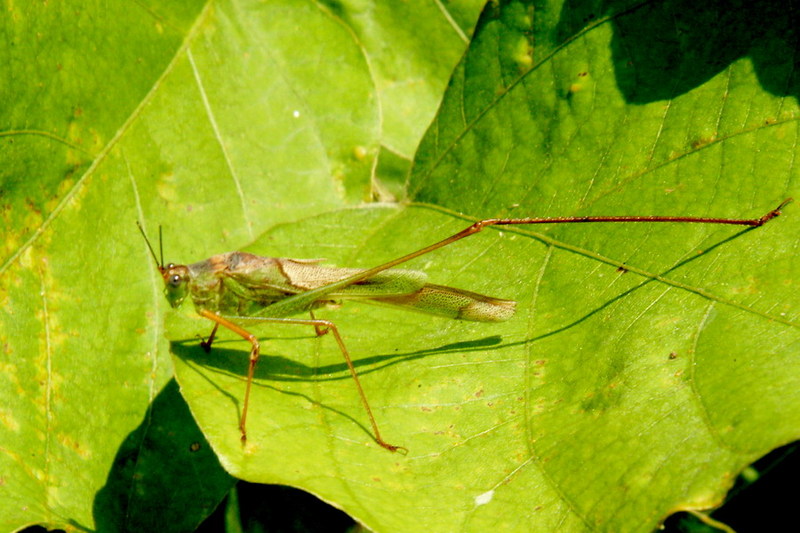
pixel 616 396
pixel 648 364
pixel 218 119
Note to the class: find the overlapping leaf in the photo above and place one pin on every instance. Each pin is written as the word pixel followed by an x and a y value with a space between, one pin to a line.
pixel 646 366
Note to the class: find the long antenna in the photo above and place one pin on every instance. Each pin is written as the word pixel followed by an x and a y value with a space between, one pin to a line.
pixel 160 265
pixel 161 246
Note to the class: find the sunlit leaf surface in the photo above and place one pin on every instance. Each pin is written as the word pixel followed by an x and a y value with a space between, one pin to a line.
pixel 646 366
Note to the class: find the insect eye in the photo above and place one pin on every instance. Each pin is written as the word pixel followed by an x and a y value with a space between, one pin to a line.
pixel 175 280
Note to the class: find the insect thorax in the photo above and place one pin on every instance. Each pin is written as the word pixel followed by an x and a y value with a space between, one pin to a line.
pixel 238 284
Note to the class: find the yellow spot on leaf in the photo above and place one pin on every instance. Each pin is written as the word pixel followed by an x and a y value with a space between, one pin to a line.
pixel 68 442
pixel 523 54
pixel 8 420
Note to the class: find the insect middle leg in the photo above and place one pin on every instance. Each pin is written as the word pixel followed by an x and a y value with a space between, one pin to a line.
pixel 321 327
pixel 319 330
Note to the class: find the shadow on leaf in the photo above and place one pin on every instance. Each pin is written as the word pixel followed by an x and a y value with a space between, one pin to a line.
pixel 140 492
pixel 665 49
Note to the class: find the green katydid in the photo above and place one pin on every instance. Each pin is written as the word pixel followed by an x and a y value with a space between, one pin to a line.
pixel 237 286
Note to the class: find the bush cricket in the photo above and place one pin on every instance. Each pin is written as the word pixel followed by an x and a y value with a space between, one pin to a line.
pixel 237 286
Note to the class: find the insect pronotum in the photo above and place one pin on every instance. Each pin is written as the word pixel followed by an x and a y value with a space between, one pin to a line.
pixel 237 286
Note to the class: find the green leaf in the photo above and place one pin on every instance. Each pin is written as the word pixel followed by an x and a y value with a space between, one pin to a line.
pixel 217 120
pixel 647 365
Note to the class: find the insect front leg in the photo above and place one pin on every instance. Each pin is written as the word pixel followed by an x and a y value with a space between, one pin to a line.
pixel 254 355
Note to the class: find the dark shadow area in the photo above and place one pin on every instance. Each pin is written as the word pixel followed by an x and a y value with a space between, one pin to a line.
pixel 164 473
pixel 279 368
pixel 664 49
pixel 762 499
pixel 277 509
